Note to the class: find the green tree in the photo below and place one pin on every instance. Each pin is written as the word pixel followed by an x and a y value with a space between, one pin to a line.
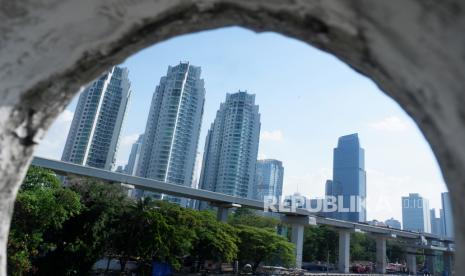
pixel 245 216
pixel 362 247
pixel 42 207
pixel 85 238
pixel 40 177
pixel 140 233
pixel 182 234
pixel 320 243
pixel 395 252
pixel 214 240
pixel 158 230
pixel 258 246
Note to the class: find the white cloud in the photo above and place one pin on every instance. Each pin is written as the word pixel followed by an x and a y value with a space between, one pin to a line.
pixel 262 156
pixel 54 141
pixel 391 124
pixel 310 184
pixel 274 135
pixel 124 148
pixel 65 117
pixel 129 139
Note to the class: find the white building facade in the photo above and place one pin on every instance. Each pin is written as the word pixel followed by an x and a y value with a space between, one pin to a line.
pixel 231 147
pixel 172 131
pixel 96 127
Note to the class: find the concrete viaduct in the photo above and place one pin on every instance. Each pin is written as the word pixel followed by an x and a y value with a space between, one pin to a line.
pixel 298 219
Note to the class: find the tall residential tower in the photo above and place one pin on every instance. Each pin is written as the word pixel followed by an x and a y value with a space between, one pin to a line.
pixel 173 127
pixel 95 130
pixel 231 147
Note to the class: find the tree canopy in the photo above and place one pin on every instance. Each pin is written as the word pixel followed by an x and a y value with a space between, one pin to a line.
pixel 64 230
pixel 42 207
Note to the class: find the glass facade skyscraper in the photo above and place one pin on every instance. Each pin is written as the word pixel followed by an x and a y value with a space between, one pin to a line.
pixel 268 179
pixel 231 147
pixel 173 127
pixel 435 223
pixel 416 213
pixel 349 179
pixel 95 130
pixel 447 217
pixel 131 166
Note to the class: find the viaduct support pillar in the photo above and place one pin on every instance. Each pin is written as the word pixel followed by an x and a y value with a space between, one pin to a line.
pixel 297 238
pixel 222 211
pixel 380 254
pixel 344 251
pixel 222 214
pixel 431 261
pixel 448 263
pixel 298 224
pixel 412 261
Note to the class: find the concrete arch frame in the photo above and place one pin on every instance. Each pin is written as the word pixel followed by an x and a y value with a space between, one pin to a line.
pixel 413 50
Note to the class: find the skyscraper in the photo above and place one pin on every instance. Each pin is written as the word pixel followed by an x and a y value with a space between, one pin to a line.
pixel 231 147
pixel 435 223
pixel 268 179
pixel 95 130
pixel 173 127
pixel 131 166
pixel 416 213
pixel 448 223
pixel 349 179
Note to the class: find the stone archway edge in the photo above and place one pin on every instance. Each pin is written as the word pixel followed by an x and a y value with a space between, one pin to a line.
pixel 413 50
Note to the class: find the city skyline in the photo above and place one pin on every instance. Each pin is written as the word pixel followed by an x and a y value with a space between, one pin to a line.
pixel 303 146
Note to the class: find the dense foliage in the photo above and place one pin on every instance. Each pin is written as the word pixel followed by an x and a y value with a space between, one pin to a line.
pixel 60 230
pixel 320 244
pixel 42 208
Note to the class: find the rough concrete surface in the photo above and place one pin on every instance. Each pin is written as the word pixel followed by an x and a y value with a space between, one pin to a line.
pixel 413 49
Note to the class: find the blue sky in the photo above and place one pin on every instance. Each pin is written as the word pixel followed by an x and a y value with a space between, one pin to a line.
pixel 307 100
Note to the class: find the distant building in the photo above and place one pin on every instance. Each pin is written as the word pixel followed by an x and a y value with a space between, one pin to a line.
pixel 416 213
pixel 172 131
pixel 96 127
pixel 349 178
pixel 316 205
pixel 376 223
pixel 119 169
pixel 231 147
pixel 448 218
pixel 131 166
pixel 441 222
pixel 393 223
pixel 197 168
pixel 193 203
pixel 268 179
pixel 435 223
